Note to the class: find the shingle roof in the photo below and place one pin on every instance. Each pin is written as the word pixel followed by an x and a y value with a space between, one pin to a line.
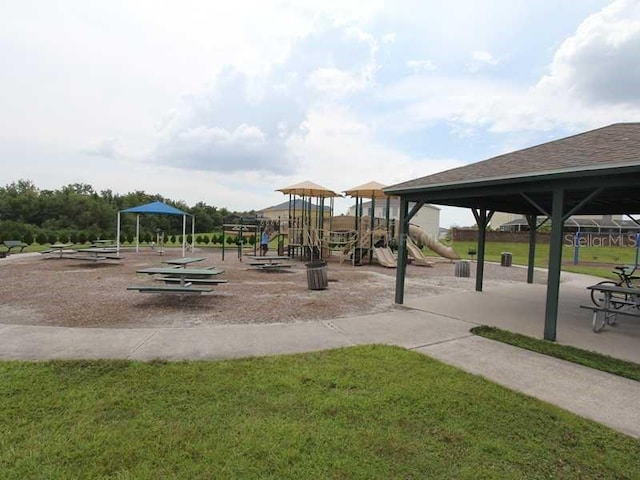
pixel 615 145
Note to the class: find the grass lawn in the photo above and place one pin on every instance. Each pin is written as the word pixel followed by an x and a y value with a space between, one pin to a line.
pixel 520 251
pixel 576 355
pixel 356 413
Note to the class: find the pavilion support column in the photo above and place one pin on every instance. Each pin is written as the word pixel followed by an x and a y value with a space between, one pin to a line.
pixel 482 219
pixel 402 250
pixel 532 220
pixel 555 265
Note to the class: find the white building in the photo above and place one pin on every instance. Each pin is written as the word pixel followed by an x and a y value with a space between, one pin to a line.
pixel 427 218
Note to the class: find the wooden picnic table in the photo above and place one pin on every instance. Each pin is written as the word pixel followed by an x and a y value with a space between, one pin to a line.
pixel 616 300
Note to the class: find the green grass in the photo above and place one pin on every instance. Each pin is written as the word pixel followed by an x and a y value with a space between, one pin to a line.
pixel 520 251
pixel 356 413
pixel 565 352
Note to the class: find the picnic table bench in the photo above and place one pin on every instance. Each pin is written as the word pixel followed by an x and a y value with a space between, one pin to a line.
pixel 170 289
pixel 616 300
pixel 270 262
pixel 60 249
pixel 183 279
pixel 96 254
pixel 202 281
pixel 11 244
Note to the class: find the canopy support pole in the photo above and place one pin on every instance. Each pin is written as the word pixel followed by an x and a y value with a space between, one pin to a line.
pixel 118 236
pixel 137 233
pixel 184 234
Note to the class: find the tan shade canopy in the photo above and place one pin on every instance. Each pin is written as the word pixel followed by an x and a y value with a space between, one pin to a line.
pixel 308 189
pixel 368 190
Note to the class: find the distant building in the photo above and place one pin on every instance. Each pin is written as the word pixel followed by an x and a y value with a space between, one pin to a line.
pixel 282 210
pixel 509 222
pixel 427 218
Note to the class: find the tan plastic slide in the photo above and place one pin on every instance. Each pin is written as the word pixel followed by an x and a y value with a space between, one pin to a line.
pixel 385 257
pixel 418 235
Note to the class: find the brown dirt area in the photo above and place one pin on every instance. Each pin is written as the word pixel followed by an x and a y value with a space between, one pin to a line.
pixel 43 290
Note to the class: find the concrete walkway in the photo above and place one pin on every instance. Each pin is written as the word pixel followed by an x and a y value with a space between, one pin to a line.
pixel 599 396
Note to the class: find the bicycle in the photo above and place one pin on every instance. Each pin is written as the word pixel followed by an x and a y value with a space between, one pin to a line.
pixel 626 279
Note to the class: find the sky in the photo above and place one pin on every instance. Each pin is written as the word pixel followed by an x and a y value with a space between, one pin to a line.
pixel 225 102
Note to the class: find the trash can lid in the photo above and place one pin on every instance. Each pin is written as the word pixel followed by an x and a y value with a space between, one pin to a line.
pixel 316 264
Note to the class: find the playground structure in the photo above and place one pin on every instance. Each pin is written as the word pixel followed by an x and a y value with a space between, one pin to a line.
pixel 247 228
pixel 312 232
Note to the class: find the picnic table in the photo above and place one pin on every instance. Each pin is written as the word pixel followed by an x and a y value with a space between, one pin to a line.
pixel 616 300
pixel 270 262
pixel 183 261
pixel 60 249
pixel 181 279
pixel 97 254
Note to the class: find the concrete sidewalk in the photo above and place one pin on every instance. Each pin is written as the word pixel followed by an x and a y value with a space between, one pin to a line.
pixel 602 397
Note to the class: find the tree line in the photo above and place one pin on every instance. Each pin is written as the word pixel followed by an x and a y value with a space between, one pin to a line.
pixel 77 213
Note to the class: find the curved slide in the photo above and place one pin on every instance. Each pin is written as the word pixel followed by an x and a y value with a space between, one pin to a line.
pixel 418 235
pixel 385 257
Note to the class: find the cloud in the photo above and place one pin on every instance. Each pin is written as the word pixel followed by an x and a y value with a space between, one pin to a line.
pixel 242 121
pixel 599 64
pixel 105 148
pixel 481 59
pixel 421 65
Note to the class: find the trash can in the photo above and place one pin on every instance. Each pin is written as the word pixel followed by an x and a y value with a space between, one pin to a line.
pixel 463 268
pixel 506 259
pixel 317 278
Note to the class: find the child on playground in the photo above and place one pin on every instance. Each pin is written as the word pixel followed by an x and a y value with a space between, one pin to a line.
pixel 264 243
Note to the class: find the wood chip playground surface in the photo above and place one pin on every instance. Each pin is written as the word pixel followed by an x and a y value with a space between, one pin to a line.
pixel 43 290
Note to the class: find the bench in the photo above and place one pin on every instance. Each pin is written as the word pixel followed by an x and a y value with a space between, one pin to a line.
pixel 202 281
pixel 14 244
pixel 609 315
pixel 170 289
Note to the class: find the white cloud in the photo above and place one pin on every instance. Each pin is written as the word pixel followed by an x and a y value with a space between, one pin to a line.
pixel 340 152
pixel 599 64
pixel 106 148
pixel 481 59
pixel 421 65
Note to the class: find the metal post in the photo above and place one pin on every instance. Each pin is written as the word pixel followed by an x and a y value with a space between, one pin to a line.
pixel 224 229
pixel 373 209
pixel 118 238
pixel 481 220
pixel 533 227
pixel 402 250
pixel 555 265
pixel 137 232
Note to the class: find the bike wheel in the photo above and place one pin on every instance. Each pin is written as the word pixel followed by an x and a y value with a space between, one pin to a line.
pixel 598 297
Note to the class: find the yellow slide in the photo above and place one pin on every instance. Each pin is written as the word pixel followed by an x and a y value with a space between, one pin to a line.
pixel 385 257
pixel 418 235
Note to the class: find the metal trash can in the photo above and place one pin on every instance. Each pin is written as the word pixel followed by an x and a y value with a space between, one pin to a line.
pixel 317 277
pixel 506 259
pixel 463 268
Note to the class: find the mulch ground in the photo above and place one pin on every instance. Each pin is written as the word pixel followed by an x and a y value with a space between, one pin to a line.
pixel 44 290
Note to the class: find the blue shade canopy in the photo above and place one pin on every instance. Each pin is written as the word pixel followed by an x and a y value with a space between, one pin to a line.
pixel 158 208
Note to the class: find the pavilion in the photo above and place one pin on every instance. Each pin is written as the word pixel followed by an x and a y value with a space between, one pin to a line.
pixel 592 173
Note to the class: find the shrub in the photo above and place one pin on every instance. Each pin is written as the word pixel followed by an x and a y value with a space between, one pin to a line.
pixel 41 238
pixel 205 239
pixel 52 237
pixel 82 237
pixel 199 239
pixel 28 237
